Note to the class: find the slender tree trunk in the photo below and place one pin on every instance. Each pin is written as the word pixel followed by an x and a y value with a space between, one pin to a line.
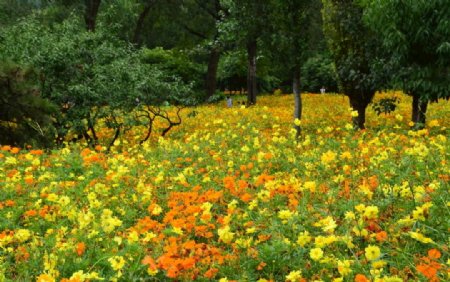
pixel 297 100
pixel 419 110
pixel 211 76
pixel 140 22
pixel 90 15
pixel 360 106
pixel 251 73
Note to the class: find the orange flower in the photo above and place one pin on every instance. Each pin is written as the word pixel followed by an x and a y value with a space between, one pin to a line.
pixel 361 278
pixel 22 254
pixel 37 152
pixel 81 247
pixel 211 273
pixel 30 213
pixel 246 197
pixel 434 254
pixel 150 262
pixel 427 270
pixel 6 148
pixel 381 236
pixel 261 265
pixel 10 203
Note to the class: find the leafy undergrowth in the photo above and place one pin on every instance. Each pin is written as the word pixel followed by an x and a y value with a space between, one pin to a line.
pixel 230 195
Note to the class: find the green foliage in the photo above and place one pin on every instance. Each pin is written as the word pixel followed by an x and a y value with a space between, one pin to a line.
pixel 417 35
pixel 25 118
pixel 353 47
pixel 92 77
pixel 177 63
pixel 316 72
pixel 232 70
pixel 386 105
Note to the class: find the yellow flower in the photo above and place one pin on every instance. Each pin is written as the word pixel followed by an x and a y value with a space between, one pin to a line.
pixel 45 278
pixel 285 214
pixel 297 122
pixel 433 123
pixel 392 279
pixel 398 117
pixel 156 210
pixel 420 237
pixel 350 215
pixel 304 238
pixel 316 254
pixel 22 235
pixel 133 236
pixel 294 276
pixel 372 252
pixel 371 212
pixel 328 157
pixel 328 224
pixel 379 264
pixel 344 267
pixel 225 235
pixel 117 262
pixel 360 208
pixel 310 185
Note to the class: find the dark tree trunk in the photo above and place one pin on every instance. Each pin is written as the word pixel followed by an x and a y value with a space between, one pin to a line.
pixel 251 73
pixel 360 107
pixel 211 76
pixel 90 15
pixel 140 22
pixel 297 100
pixel 419 110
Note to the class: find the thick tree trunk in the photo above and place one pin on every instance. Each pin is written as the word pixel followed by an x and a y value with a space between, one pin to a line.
pixel 251 73
pixel 211 76
pixel 90 15
pixel 419 110
pixel 140 22
pixel 297 100
pixel 360 120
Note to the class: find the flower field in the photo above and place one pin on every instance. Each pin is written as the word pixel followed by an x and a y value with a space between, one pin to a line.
pixel 230 195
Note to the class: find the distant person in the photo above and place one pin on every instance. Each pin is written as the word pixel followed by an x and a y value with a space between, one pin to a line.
pixel 229 102
pixel 322 90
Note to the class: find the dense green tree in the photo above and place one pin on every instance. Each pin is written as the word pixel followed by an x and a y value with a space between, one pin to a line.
pixel 246 22
pixel 25 117
pixel 291 19
pixel 90 76
pixel 417 34
pixel 355 50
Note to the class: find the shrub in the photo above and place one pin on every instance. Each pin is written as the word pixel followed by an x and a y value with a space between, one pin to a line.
pixel 318 71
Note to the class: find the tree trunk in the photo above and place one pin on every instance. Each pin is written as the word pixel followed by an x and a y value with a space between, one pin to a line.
pixel 140 22
pixel 211 76
pixel 297 100
pixel 360 107
pixel 90 15
pixel 419 110
pixel 251 72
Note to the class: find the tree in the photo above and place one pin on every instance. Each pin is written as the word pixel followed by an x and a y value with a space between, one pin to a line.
pixel 25 117
pixel 204 27
pixel 88 76
pixel 355 51
pixel 291 19
pixel 245 22
pixel 90 16
pixel 417 34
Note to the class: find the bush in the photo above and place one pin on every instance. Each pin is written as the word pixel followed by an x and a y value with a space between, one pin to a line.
pixel 92 77
pixel 319 71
